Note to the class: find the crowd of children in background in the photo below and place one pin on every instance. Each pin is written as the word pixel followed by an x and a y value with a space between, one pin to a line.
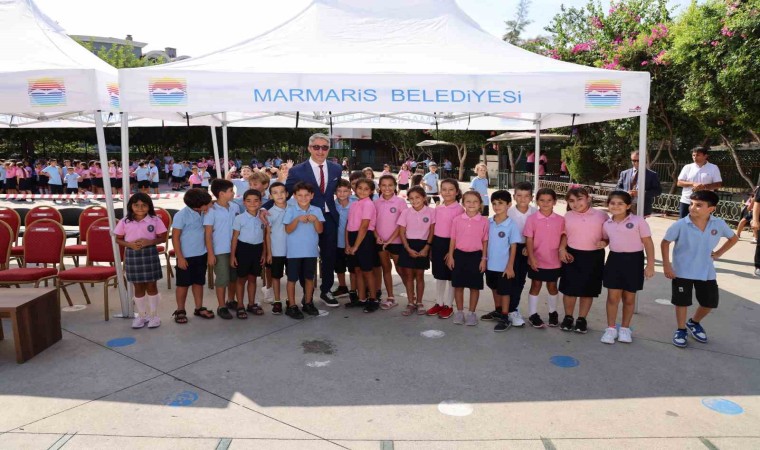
pixel 382 229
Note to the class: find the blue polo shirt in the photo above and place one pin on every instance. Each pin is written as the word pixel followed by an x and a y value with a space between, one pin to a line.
pixel 251 228
pixel 480 185
pixel 141 173
pixel 500 237
pixel 178 170
pixel 153 174
pixel 55 174
pixel 342 221
pixel 71 180
pixel 220 219
pixel 192 240
pixel 277 234
pixel 693 247
pixel 2 173
pixel 431 179
pixel 303 242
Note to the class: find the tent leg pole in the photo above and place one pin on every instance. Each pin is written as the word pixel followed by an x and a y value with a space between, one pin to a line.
pixel 642 171
pixel 125 189
pixel 216 153
pixel 225 145
pixel 537 158
pixel 101 137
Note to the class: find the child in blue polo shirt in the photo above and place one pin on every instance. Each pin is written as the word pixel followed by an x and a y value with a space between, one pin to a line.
pixel 303 223
pixel 190 248
pixel 218 232
pixel 248 252
pixel 503 237
pixel 695 237
pixel 277 243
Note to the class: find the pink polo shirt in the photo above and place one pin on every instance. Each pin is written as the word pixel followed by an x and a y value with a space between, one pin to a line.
pixel 469 232
pixel 444 215
pixel 546 233
pixel 625 236
pixel 148 228
pixel 584 230
pixel 403 177
pixel 10 172
pixel 112 172
pixel 194 179
pixel 388 212
pixel 417 223
pixel 361 210
pixel 96 172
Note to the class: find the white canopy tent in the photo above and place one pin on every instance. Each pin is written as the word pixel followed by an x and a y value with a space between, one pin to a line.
pixel 48 78
pixel 390 64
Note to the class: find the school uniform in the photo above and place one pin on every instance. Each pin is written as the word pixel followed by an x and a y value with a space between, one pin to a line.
pixel 195 181
pixel 546 233
pixel 365 257
pixel 72 183
pixel 340 257
pixel 54 179
pixel 250 245
pixel 469 233
pixel 10 178
pixel 403 180
pixel 141 176
pixel 86 182
pixel 431 181
pixel 23 182
pixel 193 246
pixel 521 261
pixel 480 185
pixel 220 219
pixel 178 173
pixel 205 176
pixel 444 216
pixel 625 263
pixel 153 177
pixel 417 229
pixel 501 236
pixel 302 244
pixel 278 239
pixel 583 277
pixel 97 176
pixel 143 265
pixel 388 212
pixel 692 260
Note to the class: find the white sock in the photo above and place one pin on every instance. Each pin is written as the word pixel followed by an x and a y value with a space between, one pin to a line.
pixel 153 302
pixel 533 304
pixel 449 294
pixel 141 305
pixel 440 286
pixel 551 301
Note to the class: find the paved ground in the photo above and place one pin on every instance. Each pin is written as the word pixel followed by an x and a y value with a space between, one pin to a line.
pixel 352 380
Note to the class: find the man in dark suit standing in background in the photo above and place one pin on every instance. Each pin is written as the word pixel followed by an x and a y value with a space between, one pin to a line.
pixel 629 180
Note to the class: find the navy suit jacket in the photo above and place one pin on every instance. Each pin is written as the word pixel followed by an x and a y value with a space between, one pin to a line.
pixel 652 187
pixel 303 172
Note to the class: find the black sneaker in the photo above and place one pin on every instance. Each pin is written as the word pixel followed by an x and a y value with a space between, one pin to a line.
pixel 502 325
pixel 372 305
pixel 277 308
pixel 294 313
pixel 379 295
pixel 342 291
pixel 493 315
pixel 310 309
pixel 329 299
pixel 580 325
pixel 553 319
pixel 535 321
pixel 231 304
pixel 224 313
pixel 567 323
pixel 353 296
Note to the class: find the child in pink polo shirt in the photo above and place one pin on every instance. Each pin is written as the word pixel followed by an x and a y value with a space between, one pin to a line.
pixel 444 216
pixel 360 245
pixel 140 232
pixel 628 235
pixel 582 260
pixel 468 253
pixel 388 208
pixel 403 177
pixel 415 225
pixel 543 231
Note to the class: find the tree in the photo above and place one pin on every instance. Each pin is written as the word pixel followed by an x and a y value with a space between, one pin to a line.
pixel 463 141
pixel 121 56
pixel 516 26
pixel 403 141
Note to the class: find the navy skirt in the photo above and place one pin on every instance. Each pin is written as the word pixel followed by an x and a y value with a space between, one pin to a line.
pixel 142 266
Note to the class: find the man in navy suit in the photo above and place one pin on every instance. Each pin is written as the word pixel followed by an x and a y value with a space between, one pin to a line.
pixel 324 176
pixel 629 182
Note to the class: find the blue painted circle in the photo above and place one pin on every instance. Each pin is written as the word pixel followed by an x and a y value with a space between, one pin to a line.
pixel 723 406
pixel 184 398
pixel 121 342
pixel 564 361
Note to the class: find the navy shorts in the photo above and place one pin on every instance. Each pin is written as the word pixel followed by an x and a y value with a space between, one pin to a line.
pixel 195 272
pixel 498 282
pixel 706 291
pixel 248 258
pixel 277 267
pixel 301 269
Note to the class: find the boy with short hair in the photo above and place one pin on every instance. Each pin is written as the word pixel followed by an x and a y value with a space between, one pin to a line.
pixel 430 183
pixel 695 237
pixel 342 202
pixel 277 242
pixel 218 235
pixel 72 180
pixel 178 176
pixel 153 176
pixel 303 223
pixel 188 239
pixel 503 236
pixel 141 176
pixel 519 213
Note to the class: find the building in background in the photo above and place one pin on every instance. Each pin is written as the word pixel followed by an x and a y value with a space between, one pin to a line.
pixel 168 54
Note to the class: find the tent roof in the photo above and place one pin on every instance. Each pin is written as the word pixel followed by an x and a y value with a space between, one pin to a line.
pixel 524 136
pixel 386 57
pixel 43 71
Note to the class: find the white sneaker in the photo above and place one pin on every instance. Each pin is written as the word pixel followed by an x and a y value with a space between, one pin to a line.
pixel 154 322
pixel 516 318
pixel 754 240
pixel 471 319
pixel 139 322
pixel 625 335
pixel 757 272
pixel 610 334
pixel 459 318
pixel 266 294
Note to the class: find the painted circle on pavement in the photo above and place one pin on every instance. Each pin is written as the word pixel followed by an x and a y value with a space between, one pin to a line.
pixel 723 406
pixel 455 408
pixel 184 398
pixel 74 308
pixel 663 301
pixel 433 334
pixel 121 342
pixel 563 361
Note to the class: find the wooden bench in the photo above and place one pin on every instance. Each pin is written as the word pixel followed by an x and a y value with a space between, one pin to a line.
pixel 36 317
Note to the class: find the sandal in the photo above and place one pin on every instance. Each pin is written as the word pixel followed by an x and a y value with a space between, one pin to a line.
pixel 388 303
pixel 224 313
pixel 241 314
pixel 180 316
pixel 421 311
pixel 255 309
pixel 204 312
pixel 231 304
pixel 410 309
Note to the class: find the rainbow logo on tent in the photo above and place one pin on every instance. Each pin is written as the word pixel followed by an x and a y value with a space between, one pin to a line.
pixel 167 91
pixel 603 94
pixel 113 94
pixel 47 92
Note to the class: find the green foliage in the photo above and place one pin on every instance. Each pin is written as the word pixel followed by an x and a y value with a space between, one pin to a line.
pixel 120 56
pixel 516 26
pixel 582 163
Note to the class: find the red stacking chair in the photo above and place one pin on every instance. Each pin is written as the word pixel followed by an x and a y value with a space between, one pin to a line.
pixel 43 244
pixel 11 217
pixel 166 218
pixel 34 214
pixel 88 217
pixel 99 250
pixel 6 241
